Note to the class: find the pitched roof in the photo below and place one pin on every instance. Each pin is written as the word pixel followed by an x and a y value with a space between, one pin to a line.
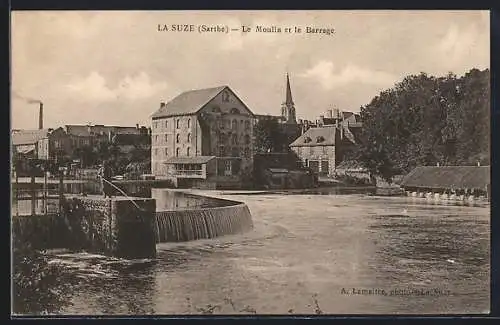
pixel 20 137
pixel 458 177
pixel 189 102
pixel 190 160
pixel 320 136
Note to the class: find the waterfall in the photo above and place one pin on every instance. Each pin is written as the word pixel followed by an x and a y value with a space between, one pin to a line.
pixel 185 225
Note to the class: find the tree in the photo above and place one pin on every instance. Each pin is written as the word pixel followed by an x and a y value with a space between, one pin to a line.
pixel 270 136
pixel 424 120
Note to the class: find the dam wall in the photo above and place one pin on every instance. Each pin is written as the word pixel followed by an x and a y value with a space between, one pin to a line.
pixel 130 227
pixel 192 224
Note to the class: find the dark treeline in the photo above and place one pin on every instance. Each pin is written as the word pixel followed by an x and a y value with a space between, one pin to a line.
pixel 426 120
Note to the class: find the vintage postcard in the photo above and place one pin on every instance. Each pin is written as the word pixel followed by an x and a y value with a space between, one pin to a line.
pixel 250 162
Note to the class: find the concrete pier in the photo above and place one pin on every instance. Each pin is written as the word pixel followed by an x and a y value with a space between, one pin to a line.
pixel 115 226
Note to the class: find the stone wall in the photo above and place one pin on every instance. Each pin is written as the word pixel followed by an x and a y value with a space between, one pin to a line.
pixel 41 231
pixel 113 227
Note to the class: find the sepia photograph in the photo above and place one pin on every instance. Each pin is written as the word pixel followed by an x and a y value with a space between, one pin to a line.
pixel 323 162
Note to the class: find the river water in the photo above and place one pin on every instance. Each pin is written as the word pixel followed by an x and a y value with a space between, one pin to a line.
pixel 335 254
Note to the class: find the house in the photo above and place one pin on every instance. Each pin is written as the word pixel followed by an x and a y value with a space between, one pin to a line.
pixel 203 138
pixel 43 144
pixel 323 148
pixel 91 135
pixel 279 170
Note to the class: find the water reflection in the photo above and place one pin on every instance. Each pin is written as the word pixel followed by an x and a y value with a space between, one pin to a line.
pixel 167 200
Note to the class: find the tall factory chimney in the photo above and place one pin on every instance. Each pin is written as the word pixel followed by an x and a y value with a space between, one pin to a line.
pixel 40 117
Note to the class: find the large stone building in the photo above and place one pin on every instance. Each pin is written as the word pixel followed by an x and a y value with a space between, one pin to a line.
pixel 203 138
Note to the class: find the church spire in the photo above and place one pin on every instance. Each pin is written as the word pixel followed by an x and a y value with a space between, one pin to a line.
pixel 288 108
pixel 288 100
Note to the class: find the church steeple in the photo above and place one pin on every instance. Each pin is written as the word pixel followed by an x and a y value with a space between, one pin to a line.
pixel 288 107
pixel 289 100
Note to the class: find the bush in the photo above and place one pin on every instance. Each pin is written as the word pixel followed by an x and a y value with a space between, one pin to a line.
pixel 38 287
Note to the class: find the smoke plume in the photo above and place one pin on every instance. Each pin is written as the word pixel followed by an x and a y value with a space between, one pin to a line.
pixel 26 99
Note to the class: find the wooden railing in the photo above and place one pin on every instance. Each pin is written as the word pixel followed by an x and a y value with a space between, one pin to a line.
pixel 32 198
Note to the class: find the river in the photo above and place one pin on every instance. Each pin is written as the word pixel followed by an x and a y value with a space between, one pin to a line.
pixel 332 254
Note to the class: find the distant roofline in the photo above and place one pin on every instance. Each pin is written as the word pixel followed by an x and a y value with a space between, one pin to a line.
pixel 103 125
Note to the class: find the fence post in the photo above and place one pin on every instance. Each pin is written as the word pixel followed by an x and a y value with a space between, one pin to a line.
pixel 17 194
pixel 33 195
pixel 44 200
pixel 61 191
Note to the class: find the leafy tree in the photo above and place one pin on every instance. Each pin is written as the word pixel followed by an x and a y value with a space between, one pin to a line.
pixel 271 136
pixel 425 120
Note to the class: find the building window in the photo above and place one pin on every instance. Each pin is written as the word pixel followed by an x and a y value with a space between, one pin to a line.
pixel 188 151
pixel 225 97
pixel 247 125
pixel 323 150
pixel 216 109
pixel 222 151
pixel 247 152
pixel 221 124
pixel 166 124
pixel 156 152
pixel 234 125
pixel 166 137
pixel 177 152
pixel 235 152
pixel 178 139
pixel 247 139
pixel 166 152
pixel 189 138
pixel 178 123
pixel 235 111
pixel 156 138
pixel 189 123
pixel 234 139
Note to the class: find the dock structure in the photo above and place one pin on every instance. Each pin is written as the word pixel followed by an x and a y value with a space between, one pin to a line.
pixel 449 182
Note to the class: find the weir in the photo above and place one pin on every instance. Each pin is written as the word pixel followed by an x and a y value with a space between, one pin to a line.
pixel 130 227
pixel 185 225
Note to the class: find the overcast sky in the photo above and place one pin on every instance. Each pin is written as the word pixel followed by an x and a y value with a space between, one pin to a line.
pixel 115 67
